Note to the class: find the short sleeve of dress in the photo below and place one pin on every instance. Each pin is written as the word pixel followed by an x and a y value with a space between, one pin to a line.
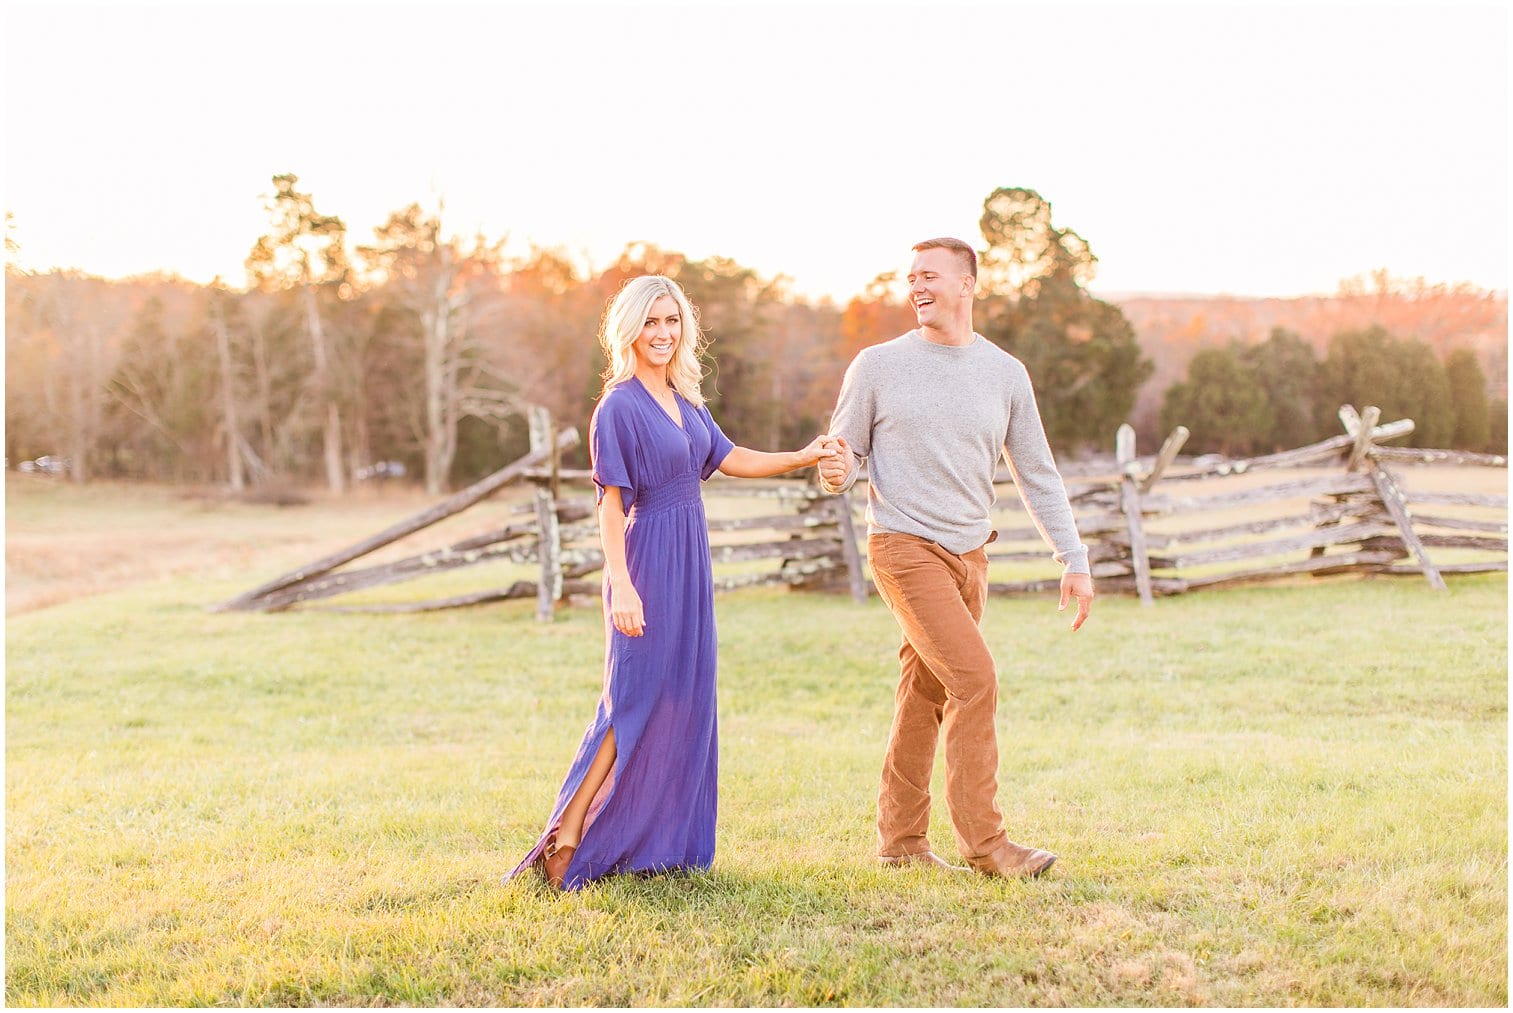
pixel 719 444
pixel 612 450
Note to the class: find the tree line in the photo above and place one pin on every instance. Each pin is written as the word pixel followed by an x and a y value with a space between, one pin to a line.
pixel 418 350
pixel 1240 400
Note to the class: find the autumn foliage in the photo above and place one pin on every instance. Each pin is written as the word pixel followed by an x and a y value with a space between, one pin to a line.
pixel 339 358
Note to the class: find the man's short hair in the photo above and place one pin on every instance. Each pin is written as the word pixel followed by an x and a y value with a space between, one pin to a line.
pixel 967 255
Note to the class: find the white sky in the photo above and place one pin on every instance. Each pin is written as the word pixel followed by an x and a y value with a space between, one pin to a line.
pixel 1248 150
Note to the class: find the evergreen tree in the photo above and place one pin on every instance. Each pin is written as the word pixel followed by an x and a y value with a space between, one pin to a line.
pixel 1081 352
pixel 1468 399
pixel 305 252
pixel 1286 370
pixel 1401 377
pixel 1497 426
pixel 1222 405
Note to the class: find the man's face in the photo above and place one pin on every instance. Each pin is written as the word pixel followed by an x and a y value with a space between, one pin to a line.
pixel 938 286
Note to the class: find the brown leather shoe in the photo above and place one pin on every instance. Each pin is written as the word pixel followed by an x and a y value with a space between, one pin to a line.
pixel 1013 860
pixel 924 858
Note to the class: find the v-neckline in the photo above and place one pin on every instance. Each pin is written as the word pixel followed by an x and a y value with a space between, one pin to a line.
pixel 677 422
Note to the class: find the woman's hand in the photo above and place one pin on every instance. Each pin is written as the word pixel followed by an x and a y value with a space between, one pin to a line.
pixel 625 609
pixel 822 447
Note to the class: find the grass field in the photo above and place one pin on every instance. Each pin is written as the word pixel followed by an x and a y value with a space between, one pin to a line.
pixel 1284 796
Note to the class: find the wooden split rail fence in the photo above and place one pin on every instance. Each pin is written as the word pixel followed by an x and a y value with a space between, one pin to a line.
pixel 1210 525
pixel 813 539
pixel 1153 527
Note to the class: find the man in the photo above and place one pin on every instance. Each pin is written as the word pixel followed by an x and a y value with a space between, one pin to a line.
pixel 931 412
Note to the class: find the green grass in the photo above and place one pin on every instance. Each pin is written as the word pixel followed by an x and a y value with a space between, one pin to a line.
pixel 1282 796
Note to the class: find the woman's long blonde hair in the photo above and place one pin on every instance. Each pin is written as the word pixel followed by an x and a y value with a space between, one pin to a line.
pixel 622 324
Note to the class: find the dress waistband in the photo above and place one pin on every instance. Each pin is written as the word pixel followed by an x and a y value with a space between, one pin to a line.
pixel 677 492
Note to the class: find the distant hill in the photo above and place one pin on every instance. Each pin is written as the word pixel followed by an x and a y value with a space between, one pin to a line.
pixel 1172 328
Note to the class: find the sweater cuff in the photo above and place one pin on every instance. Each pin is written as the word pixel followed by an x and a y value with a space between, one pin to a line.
pixel 1075 560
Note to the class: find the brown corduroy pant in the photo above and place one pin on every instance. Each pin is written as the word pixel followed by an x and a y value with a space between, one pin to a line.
pixel 947 678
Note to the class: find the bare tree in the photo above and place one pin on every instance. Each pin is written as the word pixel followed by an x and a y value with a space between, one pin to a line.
pixel 230 414
pixel 439 285
pixel 61 344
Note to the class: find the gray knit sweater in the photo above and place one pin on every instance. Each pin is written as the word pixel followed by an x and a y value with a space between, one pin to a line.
pixel 931 421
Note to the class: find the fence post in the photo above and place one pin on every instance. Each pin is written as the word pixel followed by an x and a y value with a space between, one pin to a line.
pixel 549 545
pixel 1129 502
pixel 1362 428
pixel 1169 450
pixel 1364 425
pixel 1397 509
pixel 849 552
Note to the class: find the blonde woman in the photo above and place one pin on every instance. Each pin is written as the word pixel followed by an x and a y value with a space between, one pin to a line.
pixel 641 793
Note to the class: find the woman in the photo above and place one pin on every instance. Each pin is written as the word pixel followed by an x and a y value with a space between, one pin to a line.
pixel 641 793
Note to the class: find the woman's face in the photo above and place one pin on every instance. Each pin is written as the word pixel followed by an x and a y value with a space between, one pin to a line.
pixel 660 333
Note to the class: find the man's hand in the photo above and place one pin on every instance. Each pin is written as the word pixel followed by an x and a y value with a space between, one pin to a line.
pixel 837 466
pixel 1079 586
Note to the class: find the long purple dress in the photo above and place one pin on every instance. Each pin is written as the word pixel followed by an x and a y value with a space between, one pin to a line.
pixel 656 810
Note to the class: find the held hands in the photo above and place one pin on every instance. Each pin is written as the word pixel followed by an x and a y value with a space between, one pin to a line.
pixel 836 465
pixel 1079 586
pixel 625 609
pixel 819 448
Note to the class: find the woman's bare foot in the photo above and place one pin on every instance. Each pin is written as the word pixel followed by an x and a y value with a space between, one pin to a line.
pixel 555 860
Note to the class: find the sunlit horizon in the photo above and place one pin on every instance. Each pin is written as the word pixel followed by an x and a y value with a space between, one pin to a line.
pixel 590 262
